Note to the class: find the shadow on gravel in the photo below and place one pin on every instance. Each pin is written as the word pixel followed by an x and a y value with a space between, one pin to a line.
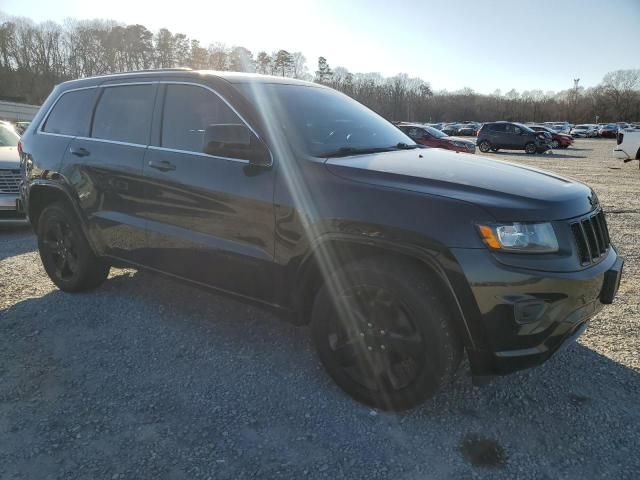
pixel 145 364
pixel 537 155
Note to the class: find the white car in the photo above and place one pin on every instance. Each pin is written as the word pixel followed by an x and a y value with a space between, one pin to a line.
pixel 9 176
pixel 628 145
pixel 584 131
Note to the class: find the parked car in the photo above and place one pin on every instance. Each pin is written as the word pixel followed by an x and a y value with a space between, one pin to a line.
pixel 450 128
pixel 467 129
pixel 562 127
pixel 295 196
pixel 9 175
pixel 627 145
pixel 431 137
pixel 558 140
pixel 583 131
pixel 609 131
pixel 512 136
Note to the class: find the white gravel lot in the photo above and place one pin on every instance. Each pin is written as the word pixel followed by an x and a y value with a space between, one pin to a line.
pixel 147 378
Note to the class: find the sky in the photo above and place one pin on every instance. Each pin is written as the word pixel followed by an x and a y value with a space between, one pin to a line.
pixel 481 44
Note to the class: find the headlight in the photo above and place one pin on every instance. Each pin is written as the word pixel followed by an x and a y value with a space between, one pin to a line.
pixel 520 237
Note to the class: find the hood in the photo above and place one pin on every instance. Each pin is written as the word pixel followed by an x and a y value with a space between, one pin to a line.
pixel 509 192
pixel 459 139
pixel 9 158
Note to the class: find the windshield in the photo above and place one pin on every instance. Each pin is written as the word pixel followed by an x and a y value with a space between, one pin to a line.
pixel 8 138
pixel 435 132
pixel 322 121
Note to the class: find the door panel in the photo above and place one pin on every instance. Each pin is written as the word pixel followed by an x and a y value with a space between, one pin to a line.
pixel 211 220
pixel 108 179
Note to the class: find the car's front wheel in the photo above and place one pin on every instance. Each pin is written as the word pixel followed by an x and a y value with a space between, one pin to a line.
pixel 383 332
pixel 554 144
pixel 66 255
pixel 530 148
pixel 484 146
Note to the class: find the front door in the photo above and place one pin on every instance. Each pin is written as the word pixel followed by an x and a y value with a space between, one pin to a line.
pixel 210 219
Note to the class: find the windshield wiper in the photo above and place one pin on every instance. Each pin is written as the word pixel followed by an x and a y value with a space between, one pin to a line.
pixel 346 151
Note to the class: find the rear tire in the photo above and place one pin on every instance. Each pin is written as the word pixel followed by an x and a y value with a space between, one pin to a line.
pixel 384 333
pixel 484 146
pixel 66 254
pixel 555 144
pixel 530 148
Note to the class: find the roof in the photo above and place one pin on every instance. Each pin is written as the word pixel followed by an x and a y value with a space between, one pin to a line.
pixel 231 77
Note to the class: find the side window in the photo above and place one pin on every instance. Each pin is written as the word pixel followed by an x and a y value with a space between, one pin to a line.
pixel 124 114
pixel 517 130
pixel 414 133
pixel 498 127
pixel 188 111
pixel 72 113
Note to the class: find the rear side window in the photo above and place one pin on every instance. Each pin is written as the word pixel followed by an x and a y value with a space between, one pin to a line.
pixel 124 114
pixel 498 127
pixel 72 113
pixel 188 111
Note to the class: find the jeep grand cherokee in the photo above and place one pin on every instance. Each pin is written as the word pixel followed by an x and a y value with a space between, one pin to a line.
pixel 295 196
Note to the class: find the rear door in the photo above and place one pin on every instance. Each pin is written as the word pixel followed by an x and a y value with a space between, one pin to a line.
pixel 210 218
pixel 105 168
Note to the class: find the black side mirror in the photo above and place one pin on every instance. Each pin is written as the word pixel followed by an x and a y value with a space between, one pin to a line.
pixel 236 141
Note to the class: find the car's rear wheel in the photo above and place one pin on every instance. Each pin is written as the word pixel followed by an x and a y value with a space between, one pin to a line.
pixel 383 333
pixel 66 255
pixel 484 146
pixel 555 144
pixel 530 148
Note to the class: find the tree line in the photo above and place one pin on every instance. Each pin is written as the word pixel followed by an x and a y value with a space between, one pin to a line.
pixel 36 56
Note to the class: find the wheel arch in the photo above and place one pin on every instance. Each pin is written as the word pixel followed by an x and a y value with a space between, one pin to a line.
pixel 42 194
pixel 338 250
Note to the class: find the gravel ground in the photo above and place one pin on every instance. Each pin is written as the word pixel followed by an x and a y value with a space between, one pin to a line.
pixel 147 378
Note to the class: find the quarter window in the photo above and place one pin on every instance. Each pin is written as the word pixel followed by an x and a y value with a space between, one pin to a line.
pixel 124 114
pixel 188 111
pixel 71 114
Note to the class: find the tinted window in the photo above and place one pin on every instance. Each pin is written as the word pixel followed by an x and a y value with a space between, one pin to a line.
pixel 124 113
pixel 498 127
pixel 188 111
pixel 72 113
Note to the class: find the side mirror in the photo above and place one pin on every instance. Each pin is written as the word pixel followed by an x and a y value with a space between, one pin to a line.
pixel 236 141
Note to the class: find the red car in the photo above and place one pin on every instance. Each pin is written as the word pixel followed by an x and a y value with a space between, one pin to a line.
pixel 609 131
pixel 432 137
pixel 558 140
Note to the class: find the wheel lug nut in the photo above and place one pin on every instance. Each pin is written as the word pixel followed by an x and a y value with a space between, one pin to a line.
pixel 369 348
pixel 382 332
pixel 369 325
pixel 382 347
pixel 362 334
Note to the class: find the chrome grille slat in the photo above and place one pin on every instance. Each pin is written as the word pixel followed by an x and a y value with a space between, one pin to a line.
pixel 9 181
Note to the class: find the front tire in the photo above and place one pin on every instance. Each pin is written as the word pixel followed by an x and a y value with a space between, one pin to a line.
pixel 66 254
pixel 530 148
pixel 384 333
pixel 555 144
pixel 484 146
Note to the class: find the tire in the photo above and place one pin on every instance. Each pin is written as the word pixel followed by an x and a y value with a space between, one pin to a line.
pixel 484 146
pixel 555 144
pixel 66 255
pixel 387 339
pixel 530 148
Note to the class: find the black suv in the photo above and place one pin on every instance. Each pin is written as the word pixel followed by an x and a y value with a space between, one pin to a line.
pixel 295 196
pixel 511 136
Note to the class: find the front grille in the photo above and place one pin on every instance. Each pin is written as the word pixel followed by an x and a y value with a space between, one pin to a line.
pixel 592 237
pixel 9 181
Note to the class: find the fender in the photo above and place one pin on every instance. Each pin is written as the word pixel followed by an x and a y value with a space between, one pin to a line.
pixel 53 182
pixel 431 258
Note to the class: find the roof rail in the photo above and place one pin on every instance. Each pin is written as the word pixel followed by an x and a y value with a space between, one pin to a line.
pixel 174 69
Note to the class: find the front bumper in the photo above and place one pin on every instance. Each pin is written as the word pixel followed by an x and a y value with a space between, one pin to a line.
pixel 9 213
pixel 620 154
pixel 524 316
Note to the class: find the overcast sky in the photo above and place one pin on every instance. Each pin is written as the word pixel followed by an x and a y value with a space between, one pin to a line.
pixel 522 44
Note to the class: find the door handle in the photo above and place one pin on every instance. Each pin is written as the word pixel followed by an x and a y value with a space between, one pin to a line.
pixel 163 166
pixel 80 152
